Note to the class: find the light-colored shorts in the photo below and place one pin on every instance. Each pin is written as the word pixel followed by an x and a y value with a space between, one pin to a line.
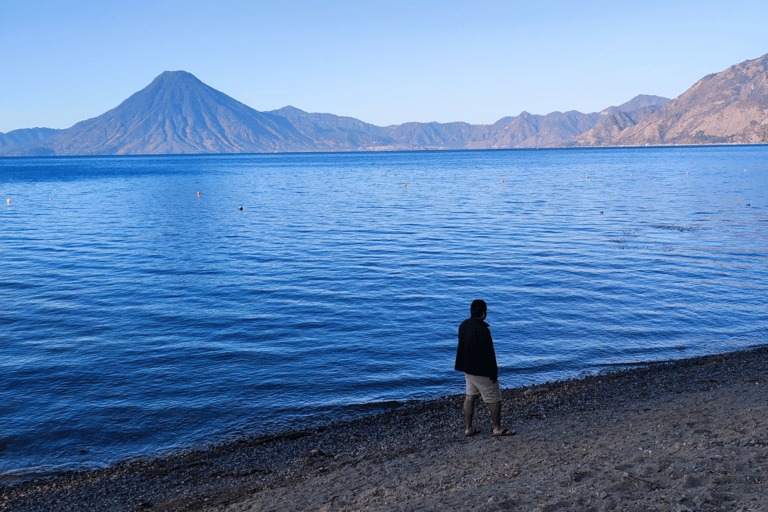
pixel 477 385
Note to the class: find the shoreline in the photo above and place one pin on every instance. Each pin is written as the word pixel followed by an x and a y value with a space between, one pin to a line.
pixel 402 150
pixel 422 441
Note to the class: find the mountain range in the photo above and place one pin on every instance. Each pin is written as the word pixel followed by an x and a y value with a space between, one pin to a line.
pixel 179 114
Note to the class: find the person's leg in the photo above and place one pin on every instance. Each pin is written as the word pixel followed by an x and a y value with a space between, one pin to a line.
pixel 491 393
pixel 469 405
pixel 469 412
pixel 495 409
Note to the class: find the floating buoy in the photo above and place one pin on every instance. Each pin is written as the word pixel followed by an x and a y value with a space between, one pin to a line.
pixel 198 193
pixel 240 208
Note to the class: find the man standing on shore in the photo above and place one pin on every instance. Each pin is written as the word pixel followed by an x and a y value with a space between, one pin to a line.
pixel 476 357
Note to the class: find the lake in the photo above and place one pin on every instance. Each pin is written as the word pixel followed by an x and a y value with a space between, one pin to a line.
pixel 139 318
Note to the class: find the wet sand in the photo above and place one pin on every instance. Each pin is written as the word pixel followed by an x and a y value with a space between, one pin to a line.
pixel 685 435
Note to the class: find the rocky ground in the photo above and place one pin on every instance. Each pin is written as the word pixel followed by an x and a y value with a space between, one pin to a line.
pixel 687 435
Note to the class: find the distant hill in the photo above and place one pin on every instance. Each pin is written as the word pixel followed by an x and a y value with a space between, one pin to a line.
pixel 526 130
pixel 552 130
pixel 177 113
pixel 726 107
pixel 26 139
pixel 334 133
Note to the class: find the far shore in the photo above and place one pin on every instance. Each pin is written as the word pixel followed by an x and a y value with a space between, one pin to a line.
pixel 387 149
pixel 676 436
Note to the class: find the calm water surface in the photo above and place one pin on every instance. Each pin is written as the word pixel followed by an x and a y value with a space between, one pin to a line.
pixel 138 318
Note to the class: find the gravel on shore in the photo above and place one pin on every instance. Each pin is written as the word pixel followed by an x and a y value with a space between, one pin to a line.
pixel 413 455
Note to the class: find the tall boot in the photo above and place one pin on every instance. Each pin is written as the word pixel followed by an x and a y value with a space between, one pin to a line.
pixel 469 412
pixel 495 409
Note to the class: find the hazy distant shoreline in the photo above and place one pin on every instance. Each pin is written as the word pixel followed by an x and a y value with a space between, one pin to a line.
pixel 559 148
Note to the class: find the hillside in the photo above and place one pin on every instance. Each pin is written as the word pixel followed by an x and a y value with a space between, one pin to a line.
pixel 726 107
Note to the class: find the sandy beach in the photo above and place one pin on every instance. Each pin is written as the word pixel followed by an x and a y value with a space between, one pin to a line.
pixel 684 435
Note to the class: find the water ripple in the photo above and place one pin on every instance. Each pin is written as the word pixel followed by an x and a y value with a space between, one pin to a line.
pixel 140 318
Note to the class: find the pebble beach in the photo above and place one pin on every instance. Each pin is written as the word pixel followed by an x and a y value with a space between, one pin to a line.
pixel 677 436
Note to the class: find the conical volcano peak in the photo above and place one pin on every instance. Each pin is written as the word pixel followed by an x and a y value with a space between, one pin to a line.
pixel 173 91
pixel 175 79
pixel 177 113
pixel 168 76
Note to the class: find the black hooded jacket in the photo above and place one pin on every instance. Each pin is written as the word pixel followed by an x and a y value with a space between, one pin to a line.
pixel 475 354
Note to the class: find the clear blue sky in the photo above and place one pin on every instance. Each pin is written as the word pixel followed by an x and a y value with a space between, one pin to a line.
pixel 388 62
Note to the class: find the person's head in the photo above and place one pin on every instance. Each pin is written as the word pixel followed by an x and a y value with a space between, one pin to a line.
pixel 478 308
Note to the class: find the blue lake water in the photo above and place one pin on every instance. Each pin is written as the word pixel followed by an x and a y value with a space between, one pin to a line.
pixel 137 317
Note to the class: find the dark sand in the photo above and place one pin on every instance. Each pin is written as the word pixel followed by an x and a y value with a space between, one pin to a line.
pixel 686 435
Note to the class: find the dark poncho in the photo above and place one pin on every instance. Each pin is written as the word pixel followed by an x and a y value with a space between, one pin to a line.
pixel 475 354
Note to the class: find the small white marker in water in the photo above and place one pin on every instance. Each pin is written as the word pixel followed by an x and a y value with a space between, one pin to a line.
pixel 8 201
